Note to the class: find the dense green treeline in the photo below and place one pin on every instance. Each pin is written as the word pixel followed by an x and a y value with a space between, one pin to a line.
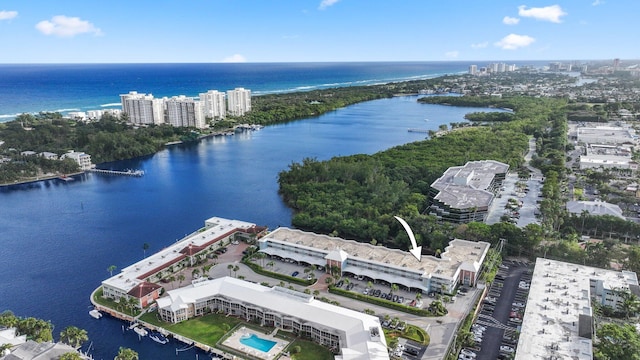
pixel 105 140
pixel 489 116
pixel 357 196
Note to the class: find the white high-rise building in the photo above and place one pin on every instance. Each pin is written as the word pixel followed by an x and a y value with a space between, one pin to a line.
pixel 502 67
pixel 238 101
pixel 473 69
pixel 213 104
pixel 142 108
pixel 184 111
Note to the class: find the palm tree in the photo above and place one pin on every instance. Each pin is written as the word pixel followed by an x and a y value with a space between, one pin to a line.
pixel 205 270
pixel 111 269
pixel 630 304
pixel 145 247
pixel 230 267
pixel 369 284
pixel 181 278
pixel 394 288
pixel 73 336
pixel 418 296
pixel 260 256
pixel 271 264
pixel 172 279
pixel 235 270
pixel 316 292
pixel 335 271
pixel 195 273
pixel 126 354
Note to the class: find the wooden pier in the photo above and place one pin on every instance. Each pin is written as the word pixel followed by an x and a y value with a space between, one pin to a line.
pixel 129 172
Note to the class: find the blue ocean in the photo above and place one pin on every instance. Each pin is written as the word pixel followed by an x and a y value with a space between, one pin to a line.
pixel 57 238
pixel 80 87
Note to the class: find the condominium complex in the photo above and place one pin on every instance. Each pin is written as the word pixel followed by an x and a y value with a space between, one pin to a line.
pixel 558 319
pixel 213 104
pixel 139 280
pixel 492 68
pixel 238 101
pixel 460 263
pixel 464 193
pixel 355 334
pixel 142 108
pixel 182 110
pixel 352 334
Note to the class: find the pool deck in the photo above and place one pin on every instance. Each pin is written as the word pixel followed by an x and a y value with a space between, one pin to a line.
pixel 233 342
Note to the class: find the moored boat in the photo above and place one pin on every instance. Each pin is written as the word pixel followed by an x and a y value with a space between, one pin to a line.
pixel 158 337
pixel 95 313
pixel 140 331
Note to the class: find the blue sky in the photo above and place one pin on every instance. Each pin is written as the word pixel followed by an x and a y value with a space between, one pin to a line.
pixel 81 31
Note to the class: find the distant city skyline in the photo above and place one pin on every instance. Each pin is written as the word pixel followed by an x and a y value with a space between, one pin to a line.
pixel 75 31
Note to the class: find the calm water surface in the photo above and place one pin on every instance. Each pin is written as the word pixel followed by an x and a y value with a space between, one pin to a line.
pixel 57 239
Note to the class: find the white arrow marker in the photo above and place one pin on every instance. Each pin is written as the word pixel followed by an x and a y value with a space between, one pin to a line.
pixel 415 249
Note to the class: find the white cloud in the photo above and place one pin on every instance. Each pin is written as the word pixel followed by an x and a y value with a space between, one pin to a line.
pixel 548 13
pixel 235 58
pixel 452 54
pixel 326 3
pixel 510 20
pixel 7 15
pixel 481 45
pixel 514 41
pixel 597 2
pixel 64 26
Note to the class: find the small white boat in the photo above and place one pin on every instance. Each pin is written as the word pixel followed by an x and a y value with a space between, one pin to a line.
pixel 95 313
pixel 158 337
pixel 140 331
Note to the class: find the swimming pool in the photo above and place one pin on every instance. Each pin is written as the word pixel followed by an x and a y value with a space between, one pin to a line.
pixel 257 342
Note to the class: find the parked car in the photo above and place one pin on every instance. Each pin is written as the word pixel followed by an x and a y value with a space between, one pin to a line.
pixel 507 349
pixel 469 353
pixel 295 273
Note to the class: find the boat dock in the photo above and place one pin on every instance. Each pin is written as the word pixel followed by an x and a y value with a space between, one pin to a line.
pixel 128 172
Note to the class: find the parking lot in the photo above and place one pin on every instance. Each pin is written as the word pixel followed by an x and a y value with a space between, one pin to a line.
pixel 496 327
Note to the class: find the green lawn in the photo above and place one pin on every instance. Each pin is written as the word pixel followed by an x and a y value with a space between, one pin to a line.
pixel 97 297
pixel 207 329
pixel 310 351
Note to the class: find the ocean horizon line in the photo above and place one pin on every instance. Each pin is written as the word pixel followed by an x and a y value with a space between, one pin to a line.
pixel 308 62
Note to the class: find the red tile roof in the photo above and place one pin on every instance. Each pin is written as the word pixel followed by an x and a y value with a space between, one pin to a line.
pixel 143 289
